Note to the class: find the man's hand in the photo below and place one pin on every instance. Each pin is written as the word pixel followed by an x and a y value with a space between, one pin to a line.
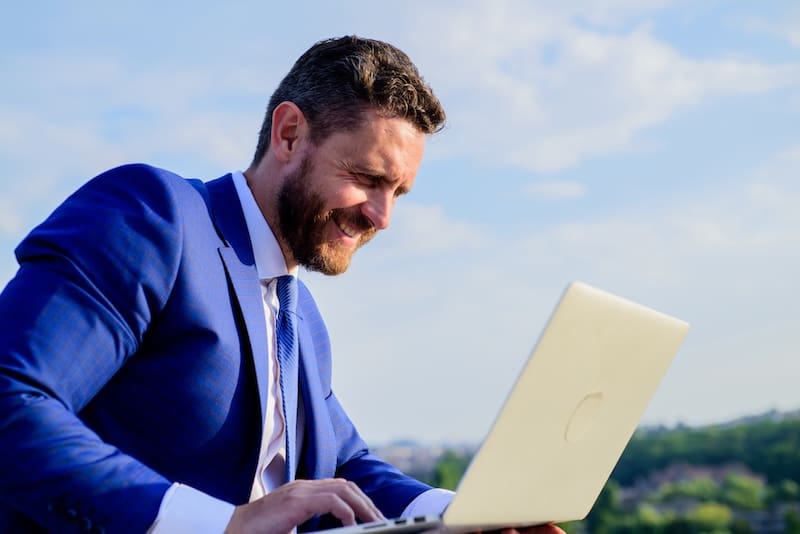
pixel 291 504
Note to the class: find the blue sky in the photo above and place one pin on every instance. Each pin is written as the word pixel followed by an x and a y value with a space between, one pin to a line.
pixel 648 148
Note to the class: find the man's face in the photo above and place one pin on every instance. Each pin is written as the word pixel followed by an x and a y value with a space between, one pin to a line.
pixel 343 191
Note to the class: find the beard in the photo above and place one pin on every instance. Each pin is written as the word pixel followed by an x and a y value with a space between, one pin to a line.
pixel 303 223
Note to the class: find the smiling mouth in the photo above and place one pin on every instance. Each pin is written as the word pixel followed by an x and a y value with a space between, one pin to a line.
pixel 353 225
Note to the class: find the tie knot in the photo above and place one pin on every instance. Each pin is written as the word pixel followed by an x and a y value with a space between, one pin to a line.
pixel 287 293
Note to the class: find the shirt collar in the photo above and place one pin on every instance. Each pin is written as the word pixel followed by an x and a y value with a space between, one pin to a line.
pixel 270 262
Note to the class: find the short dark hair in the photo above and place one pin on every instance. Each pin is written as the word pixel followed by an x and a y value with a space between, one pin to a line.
pixel 336 80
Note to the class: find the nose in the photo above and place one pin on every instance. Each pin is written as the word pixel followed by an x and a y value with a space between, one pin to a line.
pixel 378 208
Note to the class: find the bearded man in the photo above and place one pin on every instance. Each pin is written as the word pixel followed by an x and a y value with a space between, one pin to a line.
pixel 162 368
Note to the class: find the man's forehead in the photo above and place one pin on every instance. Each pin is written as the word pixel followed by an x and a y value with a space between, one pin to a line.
pixel 386 149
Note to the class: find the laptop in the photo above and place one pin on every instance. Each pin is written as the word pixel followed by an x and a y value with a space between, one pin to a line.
pixel 566 421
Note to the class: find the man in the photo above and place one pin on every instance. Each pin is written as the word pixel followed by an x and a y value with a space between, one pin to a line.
pixel 162 369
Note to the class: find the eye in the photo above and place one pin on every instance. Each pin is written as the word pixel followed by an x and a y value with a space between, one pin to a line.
pixel 370 180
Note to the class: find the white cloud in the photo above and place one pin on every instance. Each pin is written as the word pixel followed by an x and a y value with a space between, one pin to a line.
pixel 786 27
pixel 10 221
pixel 556 189
pixel 424 229
pixel 544 92
pixel 82 115
pixel 147 106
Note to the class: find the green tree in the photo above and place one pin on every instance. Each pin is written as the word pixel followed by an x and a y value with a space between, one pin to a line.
pixel 680 525
pixel 741 526
pixel 606 508
pixel 572 527
pixel 792 522
pixel 649 520
pixel 700 488
pixel 449 469
pixel 743 492
pixel 766 446
pixel 787 490
pixel 711 516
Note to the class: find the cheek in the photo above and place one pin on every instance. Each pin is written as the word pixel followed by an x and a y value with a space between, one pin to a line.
pixel 345 197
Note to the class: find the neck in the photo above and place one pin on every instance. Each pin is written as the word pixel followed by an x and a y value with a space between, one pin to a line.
pixel 266 192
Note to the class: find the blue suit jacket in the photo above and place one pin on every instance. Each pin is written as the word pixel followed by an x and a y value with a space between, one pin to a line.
pixel 132 355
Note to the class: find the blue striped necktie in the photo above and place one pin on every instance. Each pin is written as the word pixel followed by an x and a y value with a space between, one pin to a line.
pixel 286 336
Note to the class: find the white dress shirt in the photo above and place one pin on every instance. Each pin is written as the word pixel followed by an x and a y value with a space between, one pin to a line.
pixel 186 509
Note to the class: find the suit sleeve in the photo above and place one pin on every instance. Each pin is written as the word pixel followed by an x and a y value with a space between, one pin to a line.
pixel 390 489
pixel 91 279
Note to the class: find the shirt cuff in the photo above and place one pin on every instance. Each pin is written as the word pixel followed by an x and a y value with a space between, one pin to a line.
pixel 187 510
pixel 431 502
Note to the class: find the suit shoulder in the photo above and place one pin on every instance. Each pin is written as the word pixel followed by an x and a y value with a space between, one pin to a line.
pixel 132 191
pixel 142 178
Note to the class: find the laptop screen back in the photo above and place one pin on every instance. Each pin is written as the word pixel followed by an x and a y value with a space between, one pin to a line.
pixel 571 413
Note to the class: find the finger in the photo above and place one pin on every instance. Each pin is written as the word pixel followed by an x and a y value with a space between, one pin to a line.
pixel 371 510
pixel 337 506
pixel 349 493
pixel 362 505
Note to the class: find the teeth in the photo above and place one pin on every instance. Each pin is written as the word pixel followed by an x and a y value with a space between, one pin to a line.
pixel 348 231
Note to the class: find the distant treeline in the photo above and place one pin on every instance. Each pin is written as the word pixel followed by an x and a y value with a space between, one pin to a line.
pixel 768 447
pixel 766 500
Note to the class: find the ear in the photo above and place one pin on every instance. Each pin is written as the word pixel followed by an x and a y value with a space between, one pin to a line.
pixel 289 130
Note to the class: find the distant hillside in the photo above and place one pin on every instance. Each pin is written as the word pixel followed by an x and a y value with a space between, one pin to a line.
pixel 768 444
pixel 749 440
pixel 738 477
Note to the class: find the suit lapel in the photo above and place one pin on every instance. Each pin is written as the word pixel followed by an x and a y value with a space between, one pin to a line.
pixel 242 274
